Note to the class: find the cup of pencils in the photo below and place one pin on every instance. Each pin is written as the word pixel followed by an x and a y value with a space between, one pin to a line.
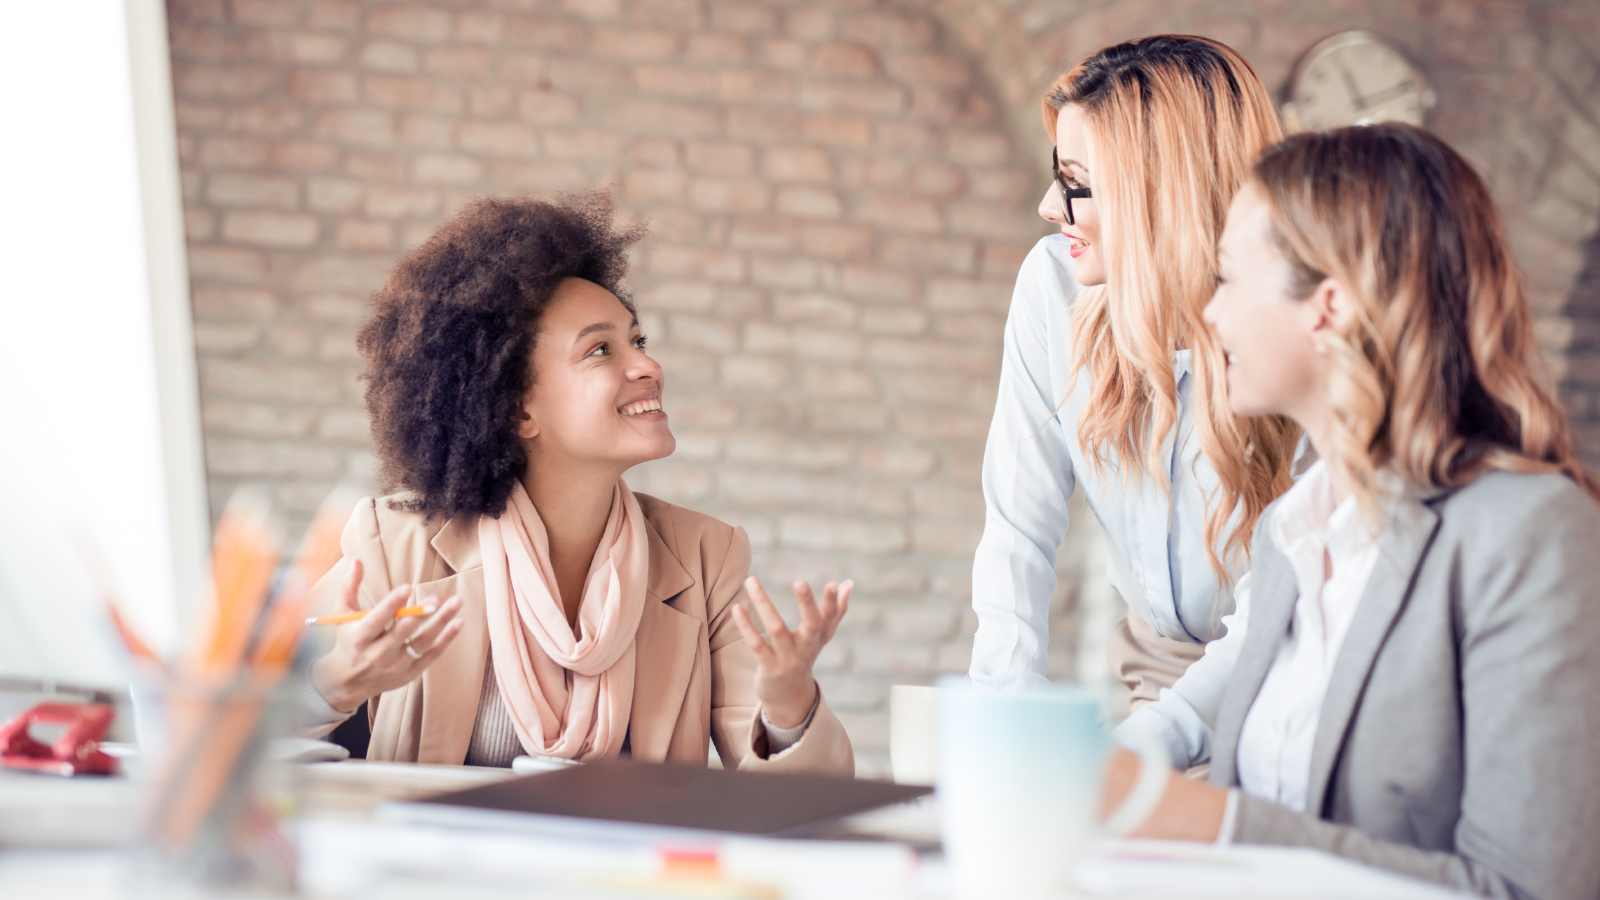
pixel 213 805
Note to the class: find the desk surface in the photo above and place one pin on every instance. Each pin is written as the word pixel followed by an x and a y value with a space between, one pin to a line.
pixel 355 789
pixel 347 850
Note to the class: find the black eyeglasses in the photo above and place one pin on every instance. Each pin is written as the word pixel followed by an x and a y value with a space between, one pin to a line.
pixel 1067 194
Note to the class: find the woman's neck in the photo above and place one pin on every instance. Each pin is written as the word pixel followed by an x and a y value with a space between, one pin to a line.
pixel 573 502
pixel 1317 425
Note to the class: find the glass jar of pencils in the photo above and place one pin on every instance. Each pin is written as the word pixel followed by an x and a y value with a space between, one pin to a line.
pixel 214 803
pixel 215 807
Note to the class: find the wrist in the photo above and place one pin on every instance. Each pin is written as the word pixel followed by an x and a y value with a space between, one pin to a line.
pixel 325 678
pixel 791 710
pixel 1191 811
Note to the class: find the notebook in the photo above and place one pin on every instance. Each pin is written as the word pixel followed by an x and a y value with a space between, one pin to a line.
pixel 624 799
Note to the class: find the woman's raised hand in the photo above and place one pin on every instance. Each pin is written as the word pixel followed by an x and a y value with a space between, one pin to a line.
pixel 784 656
pixel 379 652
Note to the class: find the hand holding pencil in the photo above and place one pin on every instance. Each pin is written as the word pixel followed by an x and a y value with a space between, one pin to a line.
pixel 382 648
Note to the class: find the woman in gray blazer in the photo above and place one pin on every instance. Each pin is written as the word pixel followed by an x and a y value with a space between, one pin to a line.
pixel 1418 657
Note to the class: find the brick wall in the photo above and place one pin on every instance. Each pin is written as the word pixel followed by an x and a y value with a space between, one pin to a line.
pixel 1567 204
pixel 839 192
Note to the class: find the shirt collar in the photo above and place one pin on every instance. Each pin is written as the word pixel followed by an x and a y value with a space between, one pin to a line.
pixel 1181 364
pixel 1308 514
pixel 1306 508
pixel 1348 534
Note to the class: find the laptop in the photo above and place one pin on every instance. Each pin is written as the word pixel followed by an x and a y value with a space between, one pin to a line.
pixel 626 800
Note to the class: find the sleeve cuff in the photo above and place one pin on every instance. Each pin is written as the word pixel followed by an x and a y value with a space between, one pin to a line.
pixel 1152 720
pixel 316 712
pixel 781 739
pixel 1230 817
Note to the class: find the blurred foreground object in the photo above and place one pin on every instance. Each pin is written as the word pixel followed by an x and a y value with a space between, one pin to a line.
pixel 212 805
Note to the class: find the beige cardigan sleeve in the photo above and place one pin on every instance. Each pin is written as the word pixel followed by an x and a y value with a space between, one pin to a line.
pixel 360 540
pixel 824 749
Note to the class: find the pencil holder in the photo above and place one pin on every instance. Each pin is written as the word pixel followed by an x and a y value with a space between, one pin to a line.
pixel 214 806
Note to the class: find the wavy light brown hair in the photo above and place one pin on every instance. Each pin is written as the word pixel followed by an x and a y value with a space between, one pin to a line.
pixel 449 344
pixel 1175 123
pixel 1439 375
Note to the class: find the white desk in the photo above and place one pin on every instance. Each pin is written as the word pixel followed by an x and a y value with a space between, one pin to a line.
pixel 347 852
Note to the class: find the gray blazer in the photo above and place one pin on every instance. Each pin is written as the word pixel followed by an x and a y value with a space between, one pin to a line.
pixel 1460 735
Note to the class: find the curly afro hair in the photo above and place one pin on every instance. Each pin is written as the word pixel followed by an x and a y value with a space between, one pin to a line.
pixel 449 344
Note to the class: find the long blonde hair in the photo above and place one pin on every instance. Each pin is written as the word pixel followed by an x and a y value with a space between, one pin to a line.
pixel 1175 123
pixel 1438 374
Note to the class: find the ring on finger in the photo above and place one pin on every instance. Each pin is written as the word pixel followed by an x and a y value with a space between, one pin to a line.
pixel 406 646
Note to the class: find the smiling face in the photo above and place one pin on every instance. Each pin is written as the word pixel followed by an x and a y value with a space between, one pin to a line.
pixel 596 398
pixel 1275 365
pixel 1072 153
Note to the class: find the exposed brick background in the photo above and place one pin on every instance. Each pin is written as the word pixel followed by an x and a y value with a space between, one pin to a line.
pixel 839 193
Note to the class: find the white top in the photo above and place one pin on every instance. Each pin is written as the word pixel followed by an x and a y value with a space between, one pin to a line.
pixel 1156 555
pixel 1332 552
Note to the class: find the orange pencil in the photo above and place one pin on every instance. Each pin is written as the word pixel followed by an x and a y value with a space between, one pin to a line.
pixel 358 616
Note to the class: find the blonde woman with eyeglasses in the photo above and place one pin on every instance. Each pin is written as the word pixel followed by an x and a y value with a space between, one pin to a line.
pixel 1111 384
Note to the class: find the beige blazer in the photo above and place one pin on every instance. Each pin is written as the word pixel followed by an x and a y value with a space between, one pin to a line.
pixel 694 673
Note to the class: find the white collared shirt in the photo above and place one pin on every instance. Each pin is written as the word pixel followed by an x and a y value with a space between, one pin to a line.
pixel 1032 463
pixel 1332 550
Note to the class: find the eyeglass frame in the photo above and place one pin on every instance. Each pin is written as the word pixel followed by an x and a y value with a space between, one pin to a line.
pixel 1067 194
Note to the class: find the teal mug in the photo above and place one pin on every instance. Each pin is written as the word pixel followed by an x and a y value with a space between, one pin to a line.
pixel 1019 775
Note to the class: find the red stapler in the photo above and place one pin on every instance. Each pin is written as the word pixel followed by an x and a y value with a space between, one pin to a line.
pixel 76 752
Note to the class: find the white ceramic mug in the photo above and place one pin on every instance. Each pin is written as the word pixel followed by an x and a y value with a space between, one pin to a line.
pixel 912 738
pixel 1019 785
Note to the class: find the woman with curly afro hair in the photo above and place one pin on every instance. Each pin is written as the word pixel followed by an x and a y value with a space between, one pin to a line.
pixel 509 390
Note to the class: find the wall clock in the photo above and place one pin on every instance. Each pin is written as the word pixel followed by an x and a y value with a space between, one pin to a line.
pixel 1355 78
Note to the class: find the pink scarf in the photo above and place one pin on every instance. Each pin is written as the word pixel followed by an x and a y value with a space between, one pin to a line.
pixel 568 695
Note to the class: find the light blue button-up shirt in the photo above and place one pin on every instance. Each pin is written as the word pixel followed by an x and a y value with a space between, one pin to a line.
pixel 1154 533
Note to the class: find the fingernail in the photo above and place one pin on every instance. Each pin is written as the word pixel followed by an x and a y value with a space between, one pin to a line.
pixel 848 583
